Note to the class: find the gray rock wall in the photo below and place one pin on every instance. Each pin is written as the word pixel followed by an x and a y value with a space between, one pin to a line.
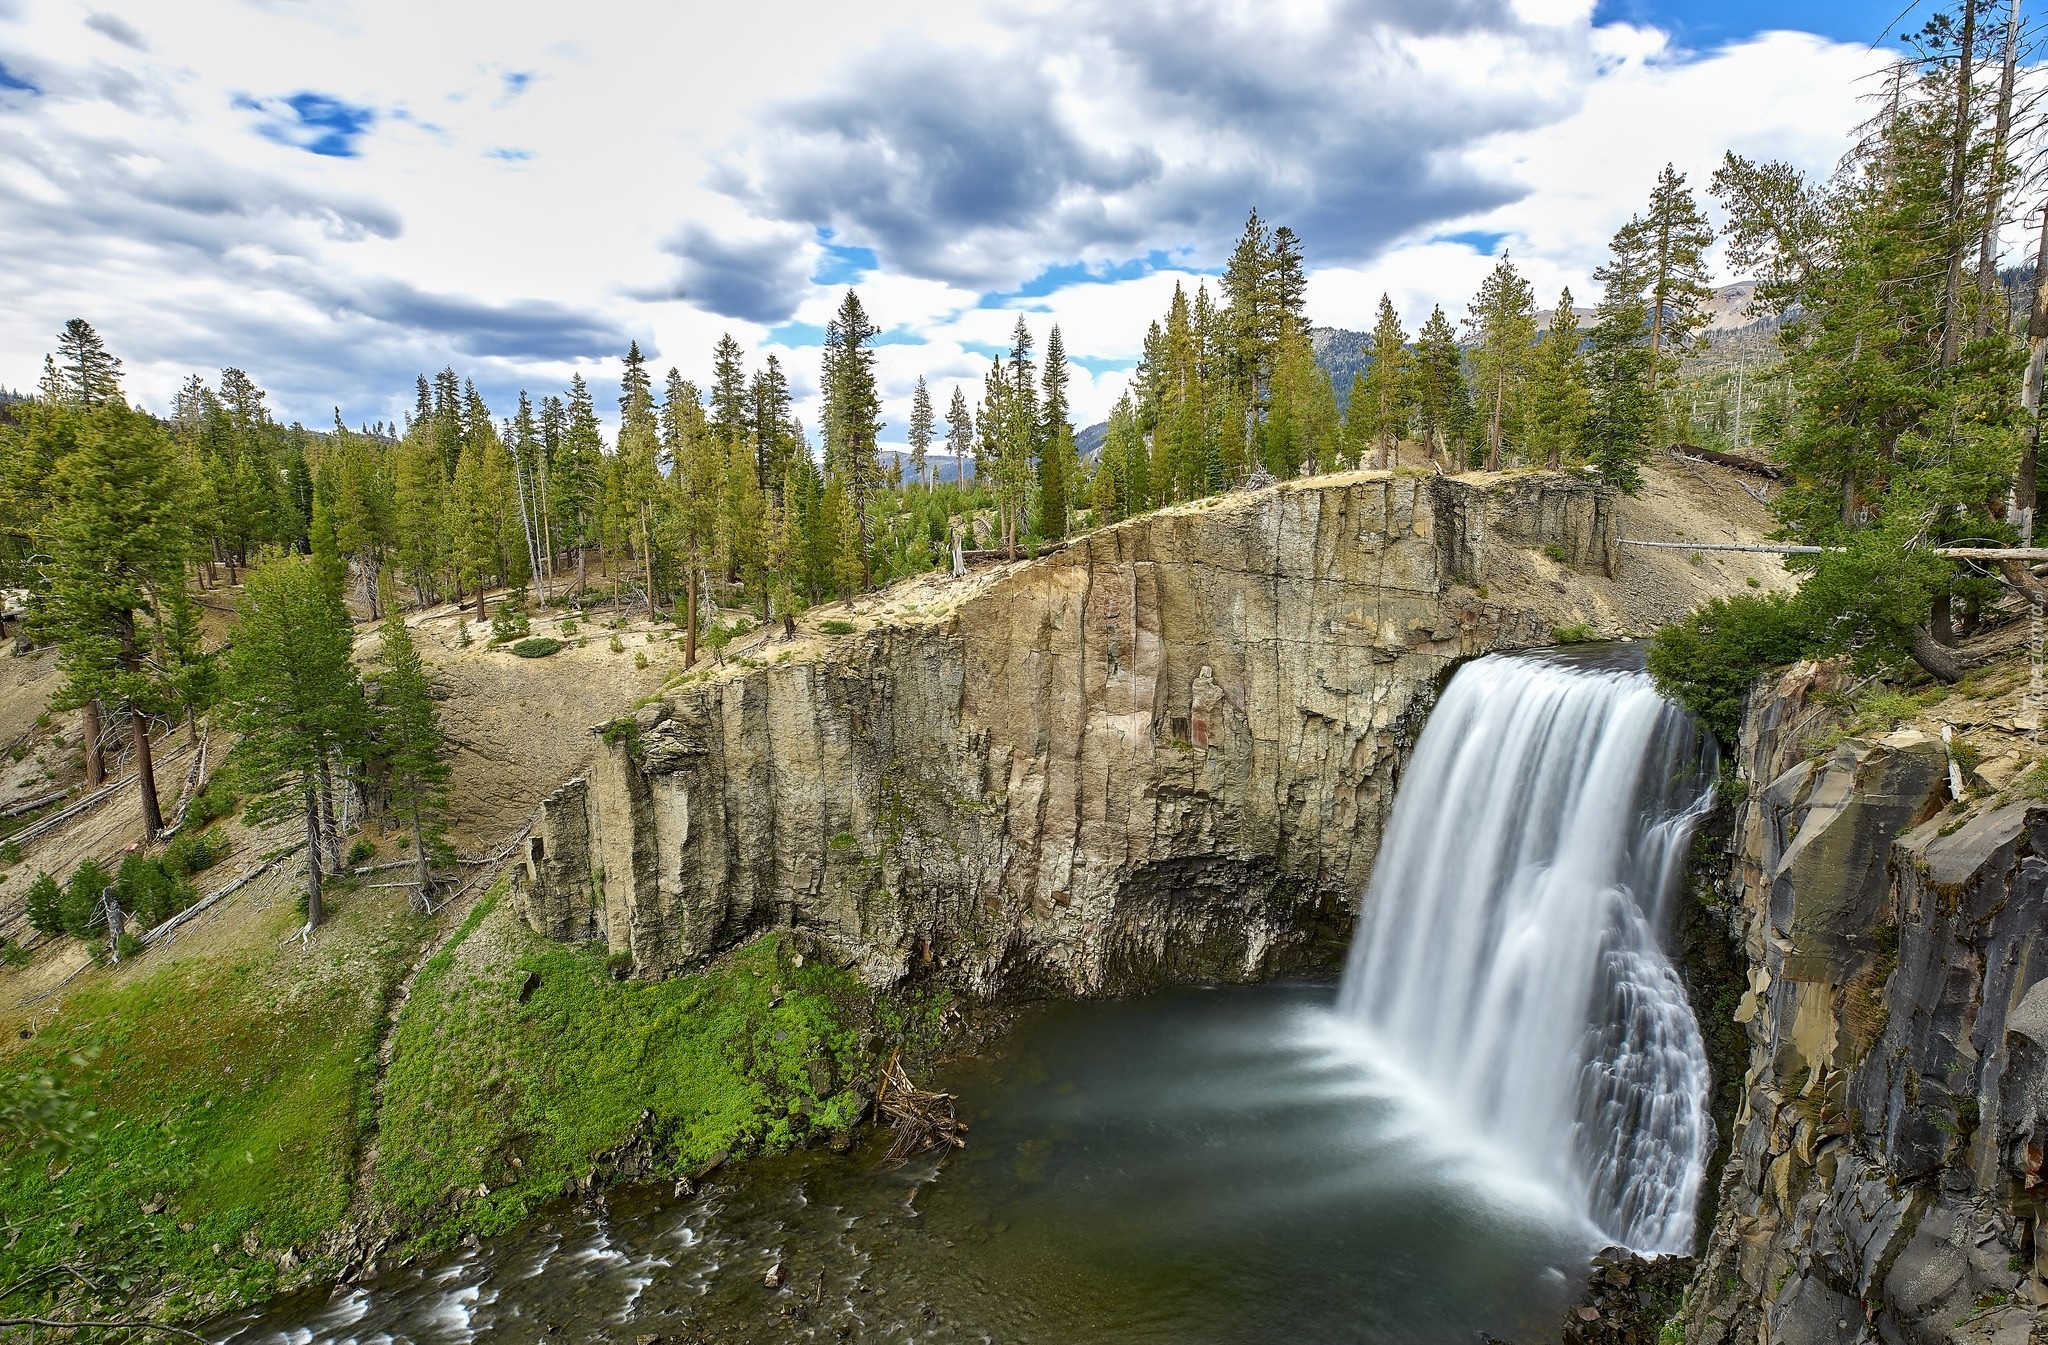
pixel 1165 753
pixel 1886 1175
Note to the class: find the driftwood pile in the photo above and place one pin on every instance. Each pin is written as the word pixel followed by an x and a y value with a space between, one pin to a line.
pixel 922 1120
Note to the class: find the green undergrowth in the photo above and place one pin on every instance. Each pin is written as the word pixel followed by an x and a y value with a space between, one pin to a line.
pixel 493 1106
pixel 210 1111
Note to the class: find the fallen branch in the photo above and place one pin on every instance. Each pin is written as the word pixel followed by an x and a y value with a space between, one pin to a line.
pixel 163 930
pixel 17 809
pixel 922 1120
pixel 2026 553
pixel 1754 466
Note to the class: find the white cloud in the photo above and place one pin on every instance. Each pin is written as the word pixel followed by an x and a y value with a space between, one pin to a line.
pixel 517 191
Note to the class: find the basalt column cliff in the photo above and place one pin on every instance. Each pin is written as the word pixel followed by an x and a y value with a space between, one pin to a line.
pixel 1164 753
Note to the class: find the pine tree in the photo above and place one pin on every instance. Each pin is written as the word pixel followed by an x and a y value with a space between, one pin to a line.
pixel 1059 468
pixel 1622 412
pixel 1555 420
pixel 852 418
pixel 91 376
pixel 1386 382
pixel 578 487
pixel 1666 247
pixel 638 466
pixel 413 748
pixel 294 699
pixel 1503 324
pixel 920 431
pixel 117 538
pixel 960 439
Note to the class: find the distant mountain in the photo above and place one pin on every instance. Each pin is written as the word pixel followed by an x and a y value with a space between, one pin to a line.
pixel 942 466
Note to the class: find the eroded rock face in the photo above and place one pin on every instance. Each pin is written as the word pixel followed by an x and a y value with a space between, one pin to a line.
pixel 1163 754
pixel 1885 1181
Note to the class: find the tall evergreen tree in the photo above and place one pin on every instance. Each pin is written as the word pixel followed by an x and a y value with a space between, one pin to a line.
pixel 1665 248
pixel 1386 382
pixel 91 376
pixel 1559 403
pixel 852 418
pixel 117 537
pixel 413 748
pixel 1502 320
pixel 920 431
pixel 294 698
pixel 959 433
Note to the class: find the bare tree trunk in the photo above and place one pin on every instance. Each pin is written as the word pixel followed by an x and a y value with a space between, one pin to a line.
pixel 419 855
pixel 2030 389
pixel 1500 391
pixel 1987 242
pixel 95 760
pixel 690 635
pixel 191 727
pixel 312 854
pixel 145 776
pixel 581 576
pixel 647 559
pixel 1941 620
pixel 1959 154
pixel 327 817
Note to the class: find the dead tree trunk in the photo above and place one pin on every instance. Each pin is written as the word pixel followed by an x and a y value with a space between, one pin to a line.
pixel 95 760
pixel 312 852
pixel 1959 157
pixel 145 776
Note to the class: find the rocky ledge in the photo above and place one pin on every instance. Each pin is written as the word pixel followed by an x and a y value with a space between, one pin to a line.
pixel 1164 753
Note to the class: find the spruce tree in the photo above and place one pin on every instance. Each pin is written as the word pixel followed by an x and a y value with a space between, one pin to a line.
pixel 1666 247
pixel 1058 467
pixel 413 748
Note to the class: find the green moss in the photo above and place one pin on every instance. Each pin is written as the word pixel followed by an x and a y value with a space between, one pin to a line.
pixel 493 1106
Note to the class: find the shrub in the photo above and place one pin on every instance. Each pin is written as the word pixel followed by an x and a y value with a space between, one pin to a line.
pixel 148 892
pixel 462 633
pixel 1556 553
pixel 1708 661
pixel 639 658
pixel 567 625
pixel 45 903
pixel 835 626
pixel 10 854
pixel 618 645
pixel 538 646
pixel 216 801
pixel 362 851
pixel 509 623
pixel 81 902
pixel 193 852
pixel 1573 634
pixel 13 954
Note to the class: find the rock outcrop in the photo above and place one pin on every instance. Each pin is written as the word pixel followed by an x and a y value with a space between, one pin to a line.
pixel 1163 754
pixel 1886 1177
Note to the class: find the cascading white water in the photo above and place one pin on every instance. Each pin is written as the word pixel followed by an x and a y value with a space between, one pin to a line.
pixel 1509 957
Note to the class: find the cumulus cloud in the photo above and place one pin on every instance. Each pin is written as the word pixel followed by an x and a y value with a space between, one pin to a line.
pixel 1106 131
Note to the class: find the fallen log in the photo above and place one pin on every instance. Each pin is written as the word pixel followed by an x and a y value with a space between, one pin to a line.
pixel 1754 466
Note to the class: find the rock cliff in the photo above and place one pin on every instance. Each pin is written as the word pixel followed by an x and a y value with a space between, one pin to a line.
pixel 1886 1177
pixel 1164 753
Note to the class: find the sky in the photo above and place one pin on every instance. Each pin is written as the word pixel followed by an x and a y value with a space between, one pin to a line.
pixel 338 195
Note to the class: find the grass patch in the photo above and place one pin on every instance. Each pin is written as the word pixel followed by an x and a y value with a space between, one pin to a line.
pixel 495 1106
pixel 537 646
pixel 834 626
pixel 221 1104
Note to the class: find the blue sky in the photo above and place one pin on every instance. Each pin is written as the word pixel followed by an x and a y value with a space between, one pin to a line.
pixel 336 195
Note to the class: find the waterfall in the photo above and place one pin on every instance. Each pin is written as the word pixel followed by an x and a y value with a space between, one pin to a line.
pixel 1508 959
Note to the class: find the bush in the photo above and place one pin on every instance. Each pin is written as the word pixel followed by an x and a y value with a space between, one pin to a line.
pixel 1708 661
pixel 618 645
pixel 216 801
pixel 509 623
pixel 835 626
pixel 12 954
pixel 639 658
pixel 193 852
pixel 538 646
pixel 45 903
pixel 81 902
pixel 148 892
pixel 361 852
pixel 10 854
pixel 1574 634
